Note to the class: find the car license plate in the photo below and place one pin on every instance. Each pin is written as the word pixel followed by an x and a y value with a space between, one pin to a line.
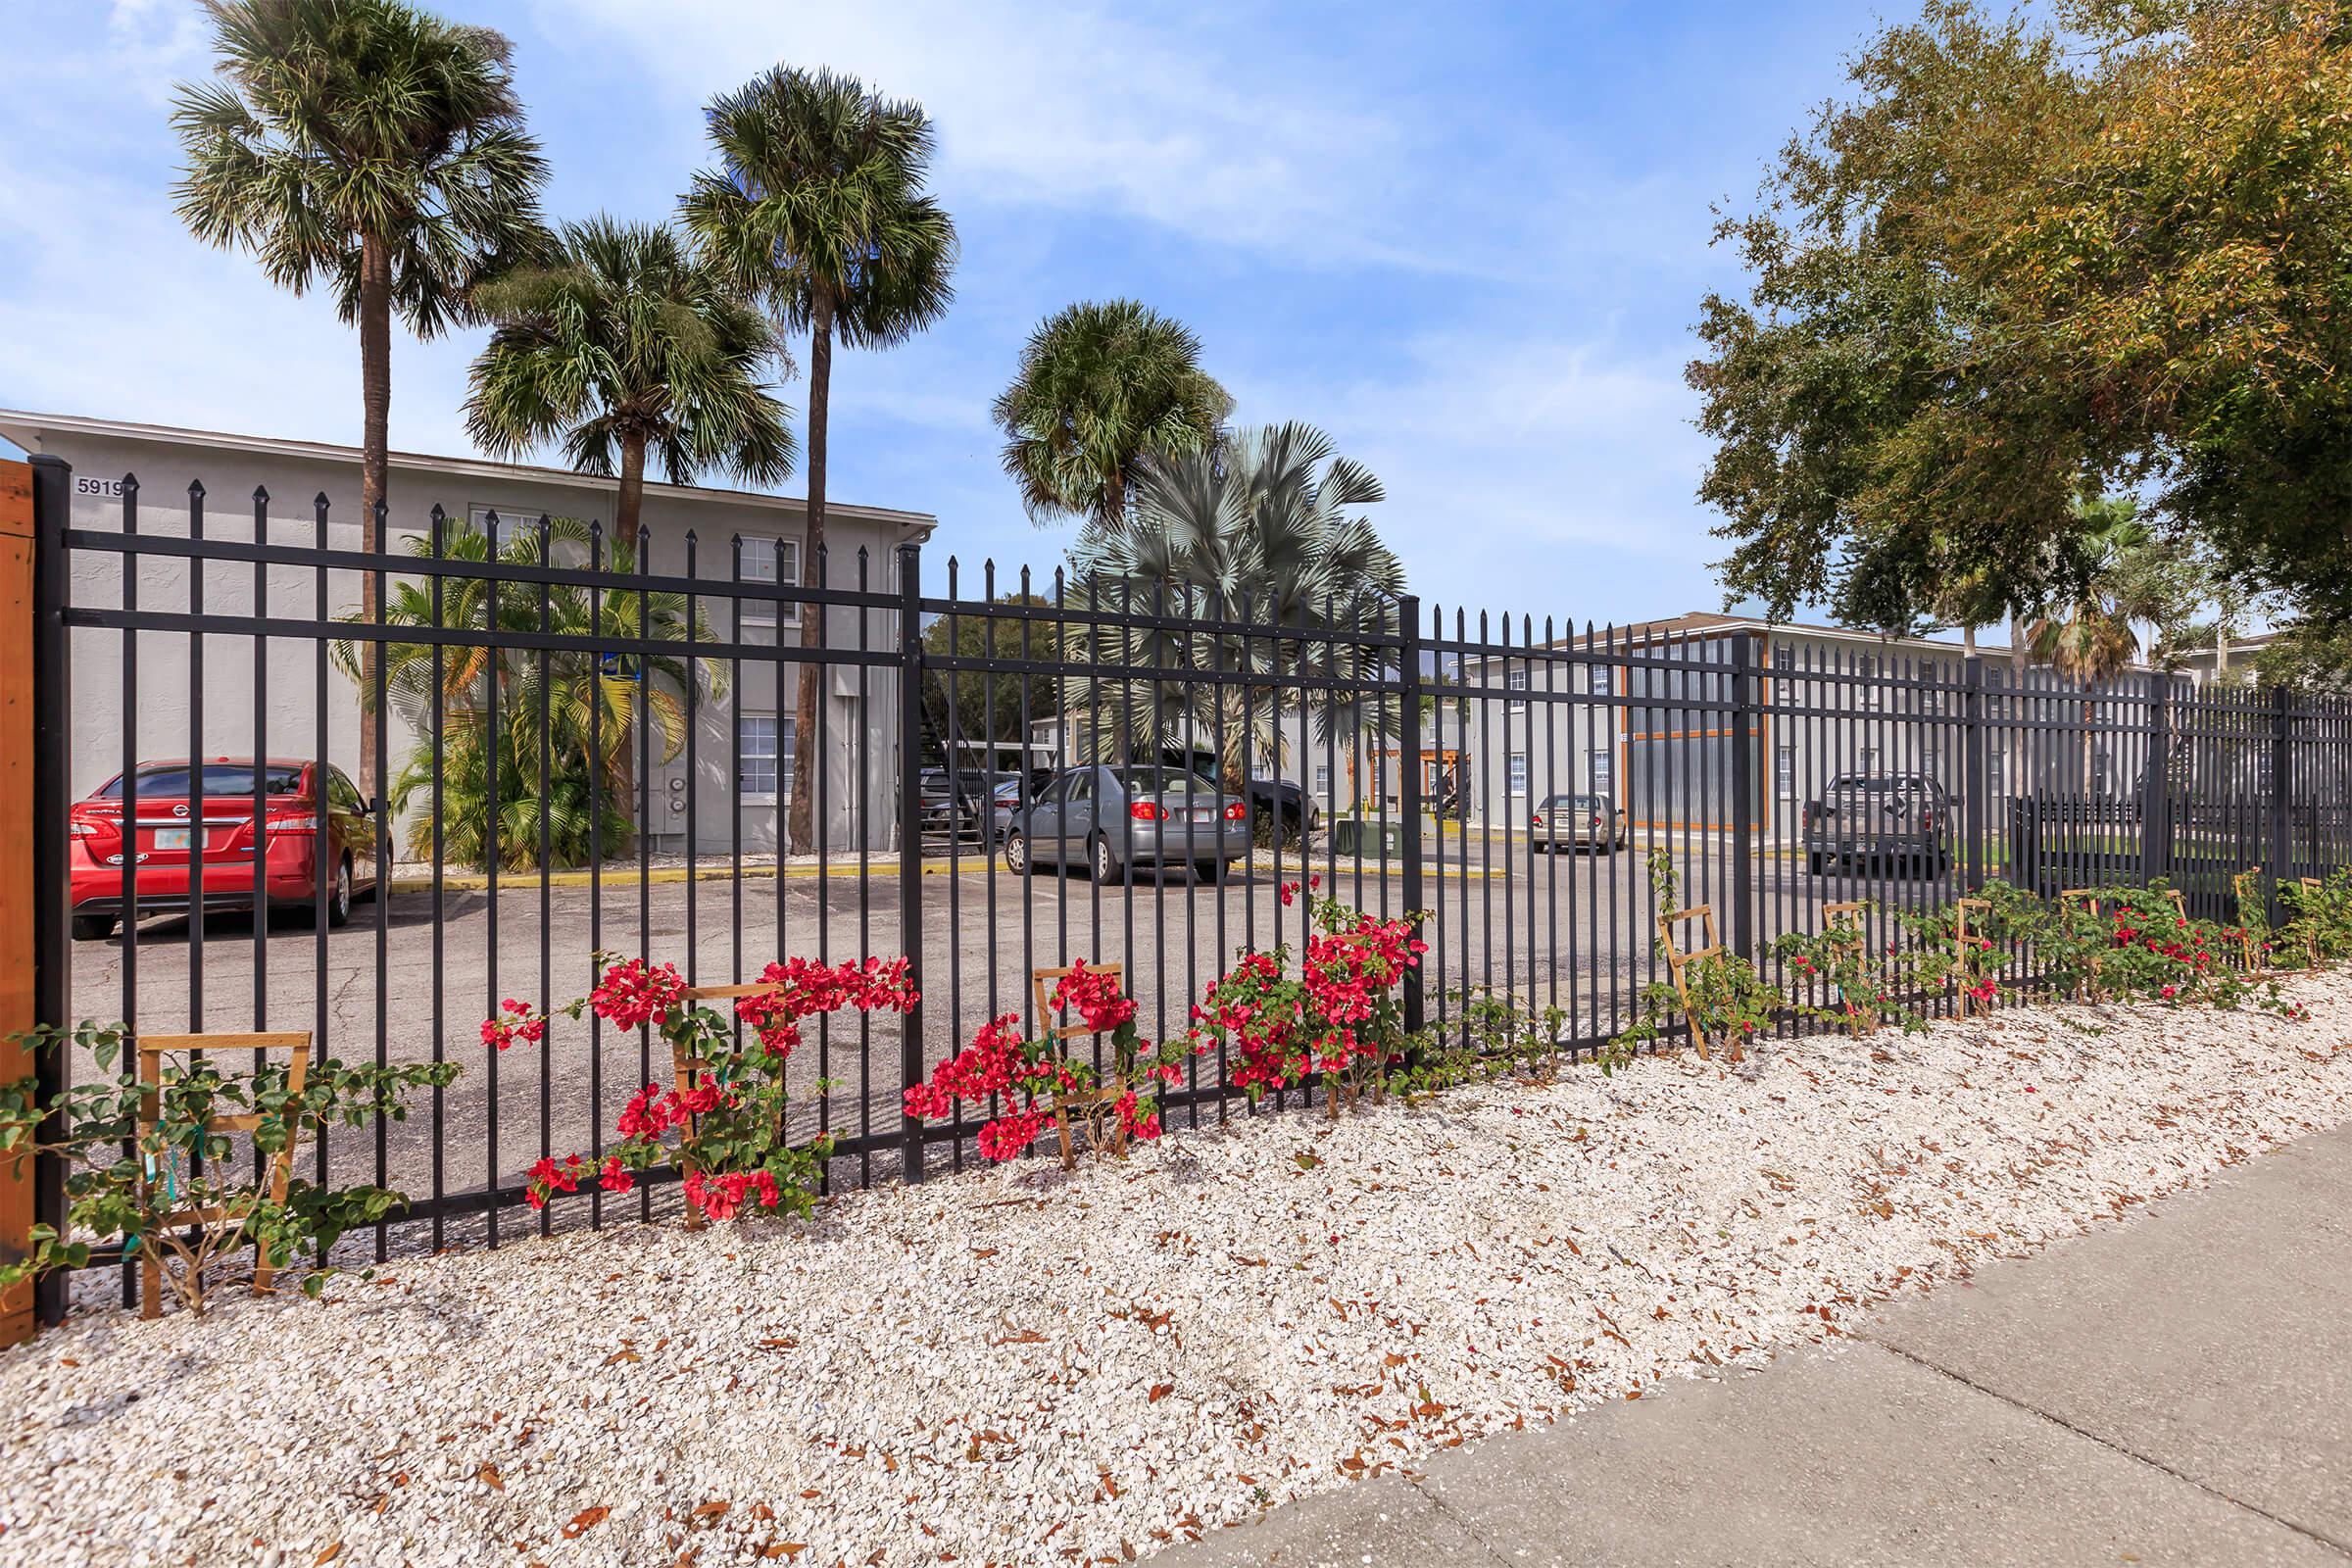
pixel 173 838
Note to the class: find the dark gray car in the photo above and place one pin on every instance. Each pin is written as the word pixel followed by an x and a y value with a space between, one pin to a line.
pixel 1113 819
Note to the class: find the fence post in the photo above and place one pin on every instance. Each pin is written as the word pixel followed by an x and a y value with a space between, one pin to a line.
pixel 36 644
pixel 1744 806
pixel 1975 785
pixel 1408 760
pixel 2156 786
pixel 2281 858
pixel 911 844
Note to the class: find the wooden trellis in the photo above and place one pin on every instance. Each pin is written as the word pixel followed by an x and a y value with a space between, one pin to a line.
pixel 1094 1105
pixel 153 1048
pixel 1678 961
pixel 1862 1020
pixel 1961 909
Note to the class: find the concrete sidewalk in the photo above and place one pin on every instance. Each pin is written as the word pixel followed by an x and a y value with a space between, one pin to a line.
pixel 2173 1390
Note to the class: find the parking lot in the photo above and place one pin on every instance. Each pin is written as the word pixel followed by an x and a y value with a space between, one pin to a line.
pixel 418 973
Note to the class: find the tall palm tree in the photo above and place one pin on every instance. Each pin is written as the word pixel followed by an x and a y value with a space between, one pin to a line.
pixel 1265 532
pixel 592 703
pixel 1100 386
pixel 817 208
pixel 627 342
pixel 373 147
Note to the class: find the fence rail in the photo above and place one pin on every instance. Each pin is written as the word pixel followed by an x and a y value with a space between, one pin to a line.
pixel 542 744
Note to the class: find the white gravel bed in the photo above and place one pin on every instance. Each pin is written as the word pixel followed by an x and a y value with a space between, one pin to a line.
pixel 1012 1367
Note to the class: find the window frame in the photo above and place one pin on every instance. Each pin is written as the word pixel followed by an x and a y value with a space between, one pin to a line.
pixel 761 612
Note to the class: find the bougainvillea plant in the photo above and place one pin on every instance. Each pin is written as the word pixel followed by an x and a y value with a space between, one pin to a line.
pixel 2319 927
pixel 722 1123
pixel 1963 950
pixel 137 1155
pixel 1026 1084
pixel 1841 980
pixel 1337 1017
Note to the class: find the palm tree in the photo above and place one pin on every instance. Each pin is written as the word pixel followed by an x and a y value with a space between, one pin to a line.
pixel 373 147
pixel 1102 385
pixel 2087 633
pixel 592 703
pixel 817 208
pixel 1263 531
pixel 626 342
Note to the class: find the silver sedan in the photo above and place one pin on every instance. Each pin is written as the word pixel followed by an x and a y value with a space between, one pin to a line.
pixel 1114 819
pixel 1581 822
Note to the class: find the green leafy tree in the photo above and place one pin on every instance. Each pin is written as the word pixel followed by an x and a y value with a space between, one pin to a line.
pixel 1268 531
pixel 817 209
pixel 489 701
pixel 1102 385
pixel 627 343
pixel 2026 260
pixel 988 706
pixel 370 147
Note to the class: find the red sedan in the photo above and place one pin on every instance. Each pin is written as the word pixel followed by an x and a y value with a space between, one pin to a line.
pixel 185 815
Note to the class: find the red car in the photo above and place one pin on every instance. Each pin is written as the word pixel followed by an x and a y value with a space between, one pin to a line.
pixel 172 834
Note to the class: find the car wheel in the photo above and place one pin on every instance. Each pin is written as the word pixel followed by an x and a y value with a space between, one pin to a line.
pixel 1208 870
pixel 1816 864
pixel 339 898
pixel 93 927
pixel 1106 864
pixel 1016 853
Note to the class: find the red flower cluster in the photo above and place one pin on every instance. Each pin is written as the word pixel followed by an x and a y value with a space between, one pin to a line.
pixel 722 1196
pixel 734 1115
pixel 634 994
pixel 1095 996
pixel 549 1178
pixel 804 988
pixel 515 1021
pixel 1287 1030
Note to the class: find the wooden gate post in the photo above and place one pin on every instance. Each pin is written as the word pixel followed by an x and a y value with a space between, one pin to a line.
pixel 18 1011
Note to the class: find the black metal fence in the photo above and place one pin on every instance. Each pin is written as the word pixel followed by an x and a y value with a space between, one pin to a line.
pixel 572 748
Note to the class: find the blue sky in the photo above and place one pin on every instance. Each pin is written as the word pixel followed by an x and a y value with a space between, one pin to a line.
pixel 1467 240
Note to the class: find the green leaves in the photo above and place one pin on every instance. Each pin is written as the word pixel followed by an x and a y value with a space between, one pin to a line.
pixel 333 120
pixel 2021 263
pixel 134 1195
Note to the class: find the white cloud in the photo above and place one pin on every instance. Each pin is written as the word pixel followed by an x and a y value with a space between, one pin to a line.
pixel 1226 131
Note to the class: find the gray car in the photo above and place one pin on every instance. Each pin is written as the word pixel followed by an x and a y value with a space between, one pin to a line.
pixel 1578 822
pixel 1114 819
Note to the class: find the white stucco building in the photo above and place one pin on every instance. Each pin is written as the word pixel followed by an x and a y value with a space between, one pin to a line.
pixel 743 740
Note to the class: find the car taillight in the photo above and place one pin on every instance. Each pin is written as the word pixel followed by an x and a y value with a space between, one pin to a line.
pixel 294 824
pixel 1236 812
pixel 1596 819
pixel 1538 819
pixel 1145 812
pixel 78 828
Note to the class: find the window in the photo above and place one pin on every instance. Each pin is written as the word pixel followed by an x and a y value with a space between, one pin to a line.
pixel 1516 680
pixel 1604 679
pixel 1518 772
pixel 1598 764
pixel 1868 760
pixel 495 523
pixel 1322 778
pixel 776 560
pixel 1784 776
pixel 1783 656
pixel 1867 691
pixel 762 759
